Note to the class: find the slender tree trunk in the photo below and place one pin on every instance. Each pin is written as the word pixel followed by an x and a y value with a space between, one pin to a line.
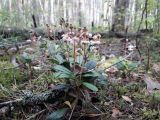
pixel 80 13
pixel 146 14
pixel 119 16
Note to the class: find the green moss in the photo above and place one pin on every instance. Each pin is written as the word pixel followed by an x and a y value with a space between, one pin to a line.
pixel 9 76
pixel 46 78
pixel 150 114
pixel 5 58
pixel 156 96
pixel 121 90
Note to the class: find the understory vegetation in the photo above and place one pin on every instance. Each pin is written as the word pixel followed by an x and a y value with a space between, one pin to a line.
pixel 81 67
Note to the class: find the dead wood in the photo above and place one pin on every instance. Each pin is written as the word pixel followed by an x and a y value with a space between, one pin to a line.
pixel 28 99
pixel 120 34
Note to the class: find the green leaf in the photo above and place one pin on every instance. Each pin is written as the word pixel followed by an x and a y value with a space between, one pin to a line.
pixel 90 86
pixel 91 64
pixel 91 74
pixel 57 115
pixel 60 68
pixel 79 60
pixel 133 66
pixel 26 58
pixel 121 65
pixel 60 75
pixel 59 58
pixel 54 61
pixel 102 80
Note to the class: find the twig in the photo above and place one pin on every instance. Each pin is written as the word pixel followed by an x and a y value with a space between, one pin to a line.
pixel 35 115
pixel 93 115
pixel 140 27
pixel 10 102
pixel 97 108
pixel 75 103
pixel 119 61
pixel 54 95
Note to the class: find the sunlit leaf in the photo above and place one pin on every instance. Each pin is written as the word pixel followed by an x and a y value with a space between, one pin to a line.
pixel 68 103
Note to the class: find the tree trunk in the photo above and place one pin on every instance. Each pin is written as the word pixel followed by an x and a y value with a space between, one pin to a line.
pixel 119 15
pixel 80 13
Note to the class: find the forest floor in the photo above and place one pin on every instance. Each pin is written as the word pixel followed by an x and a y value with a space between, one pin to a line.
pixel 125 90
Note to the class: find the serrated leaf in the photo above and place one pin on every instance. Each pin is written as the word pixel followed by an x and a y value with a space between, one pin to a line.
pixel 90 86
pixel 57 115
pixel 91 64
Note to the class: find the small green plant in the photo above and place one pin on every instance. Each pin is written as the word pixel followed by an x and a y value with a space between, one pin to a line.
pixel 26 59
pixel 150 114
pixel 8 74
pixel 121 90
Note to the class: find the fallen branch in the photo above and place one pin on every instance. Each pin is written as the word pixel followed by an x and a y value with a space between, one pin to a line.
pixel 120 34
pixel 119 61
pixel 50 96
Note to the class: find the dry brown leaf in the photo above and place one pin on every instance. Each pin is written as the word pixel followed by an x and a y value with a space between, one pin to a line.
pixel 116 112
pixel 151 85
pixel 112 70
pixel 68 103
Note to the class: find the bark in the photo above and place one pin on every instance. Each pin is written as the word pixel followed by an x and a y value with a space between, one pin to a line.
pixel 24 34
pixel 121 34
pixel 49 97
pixel 80 13
pixel 119 16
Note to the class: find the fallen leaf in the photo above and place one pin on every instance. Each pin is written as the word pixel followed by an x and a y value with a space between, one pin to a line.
pixel 116 113
pixel 151 85
pixel 156 68
pixel 126 98
pixel 68 103
pixel 112 70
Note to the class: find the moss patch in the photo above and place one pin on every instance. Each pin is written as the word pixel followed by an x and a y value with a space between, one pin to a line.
pixel 8 74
